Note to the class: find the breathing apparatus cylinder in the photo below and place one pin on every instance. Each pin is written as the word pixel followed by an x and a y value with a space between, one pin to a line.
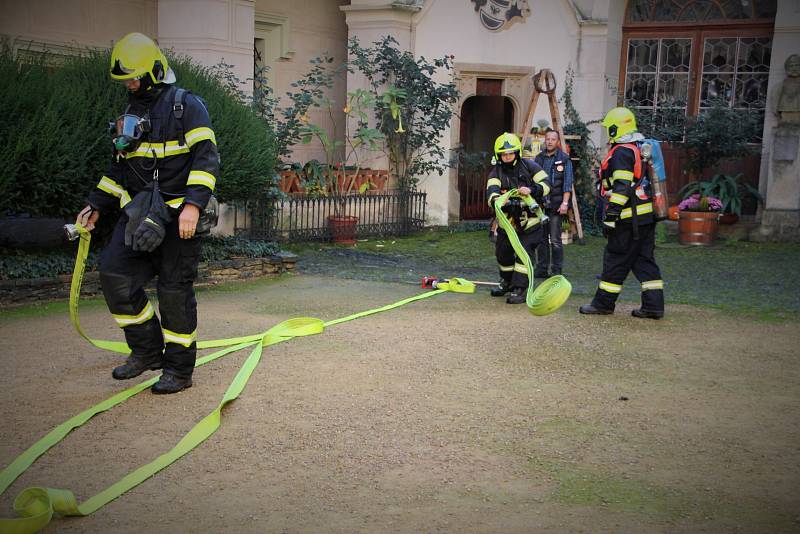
pixel 657 183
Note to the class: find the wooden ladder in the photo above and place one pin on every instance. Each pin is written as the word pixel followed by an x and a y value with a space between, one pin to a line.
pixel 545 82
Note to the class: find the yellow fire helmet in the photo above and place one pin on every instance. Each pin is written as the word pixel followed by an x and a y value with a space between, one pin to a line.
pixel 136 55
pixel 507 142
pixel 619 122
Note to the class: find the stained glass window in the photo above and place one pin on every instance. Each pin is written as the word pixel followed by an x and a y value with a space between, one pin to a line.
pixel 699 10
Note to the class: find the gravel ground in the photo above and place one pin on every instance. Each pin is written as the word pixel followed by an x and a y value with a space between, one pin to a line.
pixel 455 413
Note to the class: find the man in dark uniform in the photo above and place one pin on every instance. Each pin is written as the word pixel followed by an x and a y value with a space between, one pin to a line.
pixel 162 175
pixel 511 171
pixel 631 234
pixel 557 165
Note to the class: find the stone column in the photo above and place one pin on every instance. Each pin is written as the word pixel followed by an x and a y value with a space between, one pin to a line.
pixel 780 168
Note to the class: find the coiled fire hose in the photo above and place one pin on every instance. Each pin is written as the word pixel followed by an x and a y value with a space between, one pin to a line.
pixel 36 506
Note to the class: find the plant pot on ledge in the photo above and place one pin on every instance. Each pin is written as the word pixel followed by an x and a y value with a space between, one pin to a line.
pixel 698 227
pixel 343 229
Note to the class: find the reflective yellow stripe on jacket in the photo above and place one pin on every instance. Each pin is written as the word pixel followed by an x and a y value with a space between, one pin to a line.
pixel 641 209
pixel 200 134
pixel 111 187
pixel 159 150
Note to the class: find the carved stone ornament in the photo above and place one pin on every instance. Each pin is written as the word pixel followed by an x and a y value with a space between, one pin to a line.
pixel 789 101
pixel 499 15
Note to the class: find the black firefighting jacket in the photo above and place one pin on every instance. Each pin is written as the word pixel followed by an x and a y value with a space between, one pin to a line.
pixel 528 173
pixel 621 175
pixel 182 152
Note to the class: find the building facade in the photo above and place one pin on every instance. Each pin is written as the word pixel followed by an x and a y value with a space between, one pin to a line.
pixel 650 55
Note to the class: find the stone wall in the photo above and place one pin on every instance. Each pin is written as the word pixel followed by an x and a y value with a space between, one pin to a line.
pixel 210 273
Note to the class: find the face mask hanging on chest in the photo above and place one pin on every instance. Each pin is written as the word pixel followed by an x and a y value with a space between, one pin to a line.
pixel 127 132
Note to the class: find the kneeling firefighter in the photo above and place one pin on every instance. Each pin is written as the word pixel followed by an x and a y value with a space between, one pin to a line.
pixel 525 214
pixel 629 222
pixel 162 176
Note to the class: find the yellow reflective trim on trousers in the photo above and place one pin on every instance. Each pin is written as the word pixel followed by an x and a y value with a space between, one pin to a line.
pixel 641 209
pixel 200 134
pixel 36 506
pixel 621 175
pixel 159 150
pixel 181 339
pixel 506 268
pixel 519 268
pixel 652 284
pixel 142 317
pixel 202 178
pixel 493 181
pixel 175 202
pixel 611 288
pixel 616 198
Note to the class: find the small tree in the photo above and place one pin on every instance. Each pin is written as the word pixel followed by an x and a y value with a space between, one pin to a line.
pixel 412 120
pixel 718 133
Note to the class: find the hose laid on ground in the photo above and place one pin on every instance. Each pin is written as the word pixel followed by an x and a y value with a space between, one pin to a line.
pixel 553 292
pixel 35 506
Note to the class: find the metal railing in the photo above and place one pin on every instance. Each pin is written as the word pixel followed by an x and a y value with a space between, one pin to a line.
pixel 305 218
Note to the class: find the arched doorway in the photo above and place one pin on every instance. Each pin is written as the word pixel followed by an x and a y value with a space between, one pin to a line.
pixel 483 118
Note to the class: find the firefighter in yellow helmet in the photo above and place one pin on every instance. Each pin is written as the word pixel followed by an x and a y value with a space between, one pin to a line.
pixel 629 223
pixel 525 214
pixel 161 177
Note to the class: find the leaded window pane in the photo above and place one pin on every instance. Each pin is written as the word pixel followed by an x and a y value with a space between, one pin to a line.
pixel 765 9
pixel 736 9
pixel 640 90
pixel 640 10
pixel 754 54
pixel 719 55
pixel 673 90
pixel 716 87
pixel 642 55
pixel 751 91
pixel 666 11
pixel 676 55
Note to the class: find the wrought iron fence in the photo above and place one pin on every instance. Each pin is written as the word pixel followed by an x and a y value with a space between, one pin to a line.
pixel 305 218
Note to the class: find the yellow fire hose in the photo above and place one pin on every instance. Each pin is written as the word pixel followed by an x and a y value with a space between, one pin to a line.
pixel 35 506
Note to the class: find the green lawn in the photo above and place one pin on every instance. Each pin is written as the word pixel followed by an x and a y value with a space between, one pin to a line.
pixel 760 279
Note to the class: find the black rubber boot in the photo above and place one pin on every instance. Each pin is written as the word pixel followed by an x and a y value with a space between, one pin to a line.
pixel 644 314
pixel 169 383
pixel 500 290
pixel 135 365
pixel 588 309
pixel 517 296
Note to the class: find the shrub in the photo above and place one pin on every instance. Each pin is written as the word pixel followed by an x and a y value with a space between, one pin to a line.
pixel 56 143
pixel 15 263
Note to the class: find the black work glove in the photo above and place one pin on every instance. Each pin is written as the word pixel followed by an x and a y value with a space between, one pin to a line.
pixel 149 234
pixel 610 223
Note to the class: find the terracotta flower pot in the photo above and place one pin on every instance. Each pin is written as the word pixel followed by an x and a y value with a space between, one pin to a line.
pixel 343 229
pixel 698 227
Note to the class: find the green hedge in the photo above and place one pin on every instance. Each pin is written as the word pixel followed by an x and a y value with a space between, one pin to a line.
pixel 15 263
pixel 55 142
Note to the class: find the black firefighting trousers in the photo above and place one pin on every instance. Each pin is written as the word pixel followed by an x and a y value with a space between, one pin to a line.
pixel 512 269
pixel 624 254
pixel 123 275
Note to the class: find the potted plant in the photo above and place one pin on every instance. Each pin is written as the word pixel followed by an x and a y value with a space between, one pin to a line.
pixel 728 189
pixel 698 218
pixel 345 157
